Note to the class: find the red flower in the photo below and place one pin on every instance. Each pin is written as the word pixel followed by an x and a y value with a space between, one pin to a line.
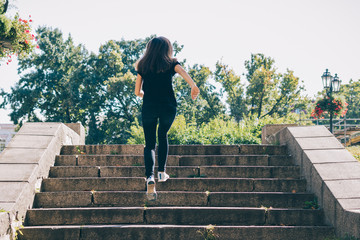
pixel 37 46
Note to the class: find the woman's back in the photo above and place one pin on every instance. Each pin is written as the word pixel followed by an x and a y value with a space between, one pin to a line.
pixel 158 87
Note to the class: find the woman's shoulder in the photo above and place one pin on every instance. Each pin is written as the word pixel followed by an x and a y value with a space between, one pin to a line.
pixel 174 63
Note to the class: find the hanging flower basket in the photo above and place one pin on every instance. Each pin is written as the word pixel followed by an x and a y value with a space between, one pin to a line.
pixel 15 37
pixel 334 104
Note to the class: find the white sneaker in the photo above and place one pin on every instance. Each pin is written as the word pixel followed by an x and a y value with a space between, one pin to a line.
pixel 162 177
pixel 150 189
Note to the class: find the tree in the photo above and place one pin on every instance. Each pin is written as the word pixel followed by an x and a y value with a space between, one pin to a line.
pixel 351 92
pixel 47 88
pixel 64 83
pixel 269 92
pixel 231 85
pixel 122 106
pixel 207 106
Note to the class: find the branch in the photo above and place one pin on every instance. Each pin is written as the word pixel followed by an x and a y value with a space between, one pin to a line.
pixel 273 108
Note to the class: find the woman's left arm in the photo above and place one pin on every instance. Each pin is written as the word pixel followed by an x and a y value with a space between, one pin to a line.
pixel 138 86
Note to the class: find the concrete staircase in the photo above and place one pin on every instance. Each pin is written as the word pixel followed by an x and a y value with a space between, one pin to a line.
pixel 245 191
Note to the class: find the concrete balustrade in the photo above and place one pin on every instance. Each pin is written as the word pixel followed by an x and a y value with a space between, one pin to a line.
pixel 24 162
pixel 331 172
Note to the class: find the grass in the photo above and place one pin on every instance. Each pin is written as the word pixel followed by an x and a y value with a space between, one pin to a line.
pixel 355 151
pixel 2 210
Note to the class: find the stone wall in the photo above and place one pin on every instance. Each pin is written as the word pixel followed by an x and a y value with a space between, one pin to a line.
pixel 331 172
pixel 23 164
pixel 269 130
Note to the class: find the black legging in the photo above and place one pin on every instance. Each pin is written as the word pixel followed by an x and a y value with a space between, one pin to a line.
pixel 150 116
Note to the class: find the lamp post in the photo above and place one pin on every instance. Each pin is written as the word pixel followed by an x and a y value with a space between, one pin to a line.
pixel 331 84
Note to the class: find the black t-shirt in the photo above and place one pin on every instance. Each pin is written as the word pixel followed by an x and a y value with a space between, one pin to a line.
pixel 158 87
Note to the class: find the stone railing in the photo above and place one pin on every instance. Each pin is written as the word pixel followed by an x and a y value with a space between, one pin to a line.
pixel 24 162
pixel 331 172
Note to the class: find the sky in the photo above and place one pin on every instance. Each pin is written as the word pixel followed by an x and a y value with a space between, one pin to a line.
pixel 305 36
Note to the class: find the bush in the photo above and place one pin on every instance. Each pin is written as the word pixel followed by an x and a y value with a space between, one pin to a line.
pixel 217 131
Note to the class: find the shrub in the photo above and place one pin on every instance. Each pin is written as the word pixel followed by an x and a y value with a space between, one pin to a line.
pixel 217 131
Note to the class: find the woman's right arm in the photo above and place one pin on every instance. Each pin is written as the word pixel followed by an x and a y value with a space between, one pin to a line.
pixel 138 86
pixel 194 89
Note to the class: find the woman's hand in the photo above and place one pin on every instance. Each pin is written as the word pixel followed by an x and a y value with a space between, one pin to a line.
pixel 194 92
pixel 194 89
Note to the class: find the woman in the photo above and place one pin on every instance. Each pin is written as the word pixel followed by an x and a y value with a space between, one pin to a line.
pixel 154 84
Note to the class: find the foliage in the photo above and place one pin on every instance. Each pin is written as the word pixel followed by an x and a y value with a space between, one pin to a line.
pixel 3 6
pixel 63 82
pixel 216 131
pixel 220 130
pixel 207 106
pixel 351 92
pixel 15 37
pixel 233 87
pixel 50 87
pixel 330 104
pixel 355 151
pixel 313 204
pixel 3 211
pixel 208 233
pixel 269 92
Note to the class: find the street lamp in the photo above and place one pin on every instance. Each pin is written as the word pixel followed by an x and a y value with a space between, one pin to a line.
pixel 331 84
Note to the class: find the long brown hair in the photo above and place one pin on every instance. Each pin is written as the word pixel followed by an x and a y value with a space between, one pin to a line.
pixel 157 57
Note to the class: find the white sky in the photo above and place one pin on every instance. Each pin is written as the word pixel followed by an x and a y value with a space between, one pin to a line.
pixel 305 36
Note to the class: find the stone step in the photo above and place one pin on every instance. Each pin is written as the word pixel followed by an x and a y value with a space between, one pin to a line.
pixel 174 215
pixel 176 149
pixel 170 198
pixel 189 160
pixel 171 232
pixel 176 184
pixel 174 172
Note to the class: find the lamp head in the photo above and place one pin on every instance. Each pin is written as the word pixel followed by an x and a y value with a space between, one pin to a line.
pixel 336 83
pixel 326 79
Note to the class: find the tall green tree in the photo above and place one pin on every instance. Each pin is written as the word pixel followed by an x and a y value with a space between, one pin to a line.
pixel 234 89
pixel 351 92
pixel 269 92
pixel 50 84
pixel 207 106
